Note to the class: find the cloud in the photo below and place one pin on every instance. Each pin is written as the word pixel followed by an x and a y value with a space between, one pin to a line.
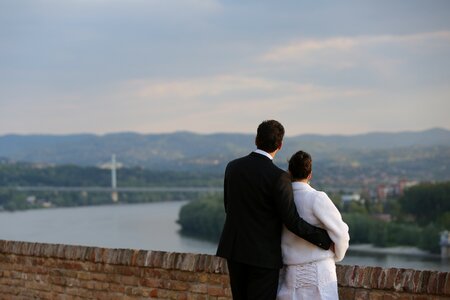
pixel 311 50
pixel 227 102
pixel 228 86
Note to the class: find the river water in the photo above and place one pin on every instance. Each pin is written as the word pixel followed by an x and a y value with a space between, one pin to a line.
pixel 150 226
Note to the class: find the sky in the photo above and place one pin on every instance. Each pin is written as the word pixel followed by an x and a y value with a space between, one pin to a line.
pixel 208 66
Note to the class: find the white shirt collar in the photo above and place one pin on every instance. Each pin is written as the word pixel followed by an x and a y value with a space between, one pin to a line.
pixel 297 185
pixel 262 152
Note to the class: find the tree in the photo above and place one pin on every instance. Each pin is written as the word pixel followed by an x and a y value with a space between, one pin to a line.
pixel 427 202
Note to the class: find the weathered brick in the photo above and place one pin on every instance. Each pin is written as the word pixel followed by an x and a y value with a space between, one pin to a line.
pixel 57 289
pixel 134 291
pixel 90 285
pixel 350 276
pixel 168 261
pixel 187 262
pixel 156 259
pixel 346 293
pixel 130 280
pixel 390 278
pixel 199 288
pixel 200 263
pixel 340 271
pixel 33 285
pixel 361 294
pixel 124 257
pixel 157 273
pixel 58 280
pixel 432 286
pixel 207 266
pixel 216 291
pixel 202 277
pixel 97 255
pixel 198 297
pixel 447 285
pixel 228 292
pixel 151 282
pixel 376 295
pixel 402 279
pixel 153 293
pixel 175 285
pixel 442 279
pixel 84 276
pixel 98 276
pixel 424 276
pixel 366 277
pixel 115 278
pixel 12 282
pixel 101 286
pixel 167 294
pixel 182 296
pixel 102 295
pixel 390 296
pixel 117 288
pixel 184 276
pixel 70 265
pixel 374 277
pixel 141 258
pixel 9 289
pixel 219 279
pixel 69 273
pixel 122 270
pixel 46 271
pixel 8 258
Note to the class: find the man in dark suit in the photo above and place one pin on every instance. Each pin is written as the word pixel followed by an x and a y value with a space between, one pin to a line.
pixel 258 199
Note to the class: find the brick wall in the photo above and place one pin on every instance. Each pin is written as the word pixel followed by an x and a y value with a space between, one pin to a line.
pixel 48 271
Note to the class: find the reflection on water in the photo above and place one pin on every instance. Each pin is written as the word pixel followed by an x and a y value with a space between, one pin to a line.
pixel 394 260
pixel 149 226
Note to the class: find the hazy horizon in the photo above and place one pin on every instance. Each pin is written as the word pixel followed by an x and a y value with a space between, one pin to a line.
pixel 219 132
pixel 209 66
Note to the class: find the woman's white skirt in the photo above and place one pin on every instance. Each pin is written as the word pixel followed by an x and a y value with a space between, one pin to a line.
pixel 310 281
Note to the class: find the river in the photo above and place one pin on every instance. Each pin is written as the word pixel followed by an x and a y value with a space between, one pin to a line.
pixel 150 226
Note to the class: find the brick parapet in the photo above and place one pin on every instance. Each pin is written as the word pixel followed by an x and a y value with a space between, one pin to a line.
pixel 125 257
pixel 54 271
pixel 362 282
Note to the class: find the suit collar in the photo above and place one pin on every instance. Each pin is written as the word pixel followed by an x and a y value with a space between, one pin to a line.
pixel 261 156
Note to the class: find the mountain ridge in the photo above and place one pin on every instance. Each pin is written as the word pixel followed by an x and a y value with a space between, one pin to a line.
pixel 184 149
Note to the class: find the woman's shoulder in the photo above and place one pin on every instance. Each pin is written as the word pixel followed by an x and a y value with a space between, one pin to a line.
pixel 319 194
pixel 321 198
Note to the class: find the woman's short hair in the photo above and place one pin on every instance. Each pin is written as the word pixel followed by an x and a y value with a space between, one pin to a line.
pixel 269 136
pixel 300 165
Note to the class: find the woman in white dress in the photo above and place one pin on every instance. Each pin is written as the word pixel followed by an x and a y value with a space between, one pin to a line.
pixel 309 272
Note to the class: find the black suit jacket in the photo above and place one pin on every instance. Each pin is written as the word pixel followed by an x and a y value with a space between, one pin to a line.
pixel 258 200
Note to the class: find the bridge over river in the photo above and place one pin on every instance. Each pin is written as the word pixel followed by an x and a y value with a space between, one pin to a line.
pixel 114 189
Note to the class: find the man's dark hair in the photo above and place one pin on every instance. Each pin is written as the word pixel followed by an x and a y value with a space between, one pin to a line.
pixel 300 165
pixel 269 136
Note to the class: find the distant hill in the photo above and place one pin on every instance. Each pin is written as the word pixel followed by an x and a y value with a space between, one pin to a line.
pixel 187 150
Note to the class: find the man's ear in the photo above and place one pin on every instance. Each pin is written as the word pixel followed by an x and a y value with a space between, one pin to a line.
pixel 281 145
